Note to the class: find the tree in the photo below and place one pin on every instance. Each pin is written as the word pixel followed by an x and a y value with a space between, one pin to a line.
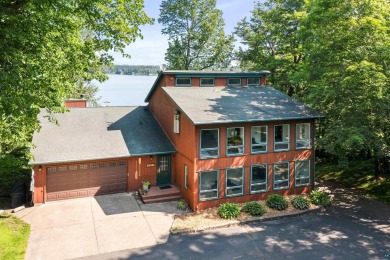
pixel 47 48
pixel 272 42
pixel 196 36
pixel 347 50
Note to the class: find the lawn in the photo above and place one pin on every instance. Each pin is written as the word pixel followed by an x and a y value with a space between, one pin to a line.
pixel 14 235
pixel 358 175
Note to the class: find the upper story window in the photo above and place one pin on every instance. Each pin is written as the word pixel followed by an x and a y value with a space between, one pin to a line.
pixel 281 175
pixel 206 82
pixel 208 185
pixel 234 81
pixel 209 143
pixel 176 122
pixel 234 182
pixel 235 141
pixel 282 137
pixel 253 82
pixel 303 136
pixel 259 137
pixel 185 176
pixel 183 82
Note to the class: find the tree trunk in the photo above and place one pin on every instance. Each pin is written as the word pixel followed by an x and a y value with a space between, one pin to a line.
pixel 377 170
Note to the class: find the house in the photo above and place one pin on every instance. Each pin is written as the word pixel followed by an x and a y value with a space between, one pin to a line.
pixel 216 136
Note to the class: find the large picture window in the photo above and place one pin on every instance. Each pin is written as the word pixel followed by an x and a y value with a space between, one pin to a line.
pixel 234 182
pixel 208 185
pixel 302 173
pixel 235 141
pixel 303 136
pixel 259 137
pixel 209 143
pixel 234 82
pixel 282 137
pixel 258 178
pixel 281 175
pixel 183 82
pixel 253 82
pixel 206 82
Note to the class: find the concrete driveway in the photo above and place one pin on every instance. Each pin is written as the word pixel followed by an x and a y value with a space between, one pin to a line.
pixel 97 225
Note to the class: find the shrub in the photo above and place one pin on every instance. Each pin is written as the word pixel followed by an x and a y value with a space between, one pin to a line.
pixel 319 198
pixel 254 208
pixel 276 201
pixel 300 202
pixel 228 210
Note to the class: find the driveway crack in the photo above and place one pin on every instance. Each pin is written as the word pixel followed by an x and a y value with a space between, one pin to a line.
pixel 94 227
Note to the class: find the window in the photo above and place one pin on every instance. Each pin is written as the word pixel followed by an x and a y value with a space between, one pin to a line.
pixel 281 175
pixel 112 164
pixel 282 137
pixel 83 166
pixel 122 163
pixel 208 185
pixel 206 82
pixel 234 82
pixel 62 168
pixel 209 143
pixel 303 136
pixel 183 81
pixel 176 122
pixel 51 169
pixel 185 176
pixel 253 82
pixel 234 182
pixel 258 178
pixel 235 140
pixel 259 136
pixel 93 166
pixel 73 168
pixel 302 173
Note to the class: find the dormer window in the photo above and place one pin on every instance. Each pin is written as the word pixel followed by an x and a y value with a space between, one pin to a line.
pixel 253 82
pixel 206 82
pixel 183 82
pixel 234 82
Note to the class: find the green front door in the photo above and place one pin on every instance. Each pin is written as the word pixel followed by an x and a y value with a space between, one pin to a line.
pixel 163 170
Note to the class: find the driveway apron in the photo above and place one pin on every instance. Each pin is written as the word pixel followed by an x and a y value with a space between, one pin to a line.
pixel 96 225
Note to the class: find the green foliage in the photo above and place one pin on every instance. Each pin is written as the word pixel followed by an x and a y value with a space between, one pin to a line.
pixel 196 36
pixel 144 70
pixel 254 208
pixel 14 235
pixel 47 48
pixel 300 202
pixel 228 210
pixel 276 201
pixel 13 169
pixel 319 198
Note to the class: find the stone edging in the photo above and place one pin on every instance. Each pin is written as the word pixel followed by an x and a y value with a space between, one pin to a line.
pixel 250 220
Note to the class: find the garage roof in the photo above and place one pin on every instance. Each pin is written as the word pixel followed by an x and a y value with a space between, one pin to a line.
pixel 99 133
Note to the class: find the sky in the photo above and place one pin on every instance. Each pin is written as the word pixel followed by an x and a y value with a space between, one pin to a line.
pixel 151 49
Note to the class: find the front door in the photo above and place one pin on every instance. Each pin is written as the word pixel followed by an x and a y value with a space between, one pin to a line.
pixel 163 170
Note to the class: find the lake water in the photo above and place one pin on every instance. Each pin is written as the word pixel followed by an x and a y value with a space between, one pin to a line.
pixel 125 90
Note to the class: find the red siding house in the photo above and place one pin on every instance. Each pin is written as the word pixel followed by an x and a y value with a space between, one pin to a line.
pixel 215 136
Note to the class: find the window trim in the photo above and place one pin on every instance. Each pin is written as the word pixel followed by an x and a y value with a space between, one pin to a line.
pixel 295 173
pixel 200 181
pixel 234 85
pixel 288 175
pixel 257 184
pixel 206 85
pixel 208 149
pixel 183 85
pixel 186 176
pixel 289 138
pixel 236 146
pixel 230 188
pixel 266 142
pixel 296 137
pixel 253 85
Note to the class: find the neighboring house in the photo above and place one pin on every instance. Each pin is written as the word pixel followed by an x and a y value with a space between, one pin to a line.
pixel 217 136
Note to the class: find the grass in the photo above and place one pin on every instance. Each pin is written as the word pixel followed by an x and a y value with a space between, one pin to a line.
pixel 14 235
pixel 357 175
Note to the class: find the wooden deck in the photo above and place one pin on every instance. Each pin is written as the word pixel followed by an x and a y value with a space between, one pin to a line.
pixel 155 194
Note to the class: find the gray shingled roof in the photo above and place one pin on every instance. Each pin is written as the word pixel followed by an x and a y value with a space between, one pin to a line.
pixel 206 105
pixel 98 133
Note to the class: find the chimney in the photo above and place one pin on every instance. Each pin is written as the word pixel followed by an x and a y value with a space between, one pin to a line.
pixel 76 102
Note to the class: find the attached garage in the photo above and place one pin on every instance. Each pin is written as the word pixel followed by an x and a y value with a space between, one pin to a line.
pixel 84 180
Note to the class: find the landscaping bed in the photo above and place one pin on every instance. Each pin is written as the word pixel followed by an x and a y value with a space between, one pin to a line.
pixel 14 235
pixel 209 218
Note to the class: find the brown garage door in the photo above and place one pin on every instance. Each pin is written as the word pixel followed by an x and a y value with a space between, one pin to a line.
pixel 84 180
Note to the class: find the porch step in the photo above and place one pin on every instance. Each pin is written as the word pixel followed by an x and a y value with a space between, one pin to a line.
pixel 161 199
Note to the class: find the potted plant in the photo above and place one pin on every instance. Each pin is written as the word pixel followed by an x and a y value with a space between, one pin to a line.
pixel 146 185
